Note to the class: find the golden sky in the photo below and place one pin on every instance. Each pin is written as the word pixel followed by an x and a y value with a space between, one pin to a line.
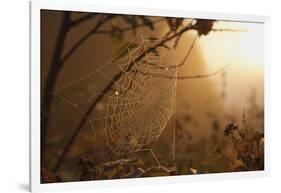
pixel 246 49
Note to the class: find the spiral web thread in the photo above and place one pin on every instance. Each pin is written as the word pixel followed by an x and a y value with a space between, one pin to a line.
pixel 140 104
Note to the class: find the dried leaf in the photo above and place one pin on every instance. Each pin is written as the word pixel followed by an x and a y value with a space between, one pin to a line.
pixel 203 26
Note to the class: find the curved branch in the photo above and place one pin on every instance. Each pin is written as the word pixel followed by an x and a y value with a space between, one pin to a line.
pixel 96 31
pixel 55 67
pixel 85 37
pixel 128 28
pixel 82 19
pixel 187 53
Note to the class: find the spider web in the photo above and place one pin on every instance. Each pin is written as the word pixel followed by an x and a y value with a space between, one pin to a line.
pixel 139 104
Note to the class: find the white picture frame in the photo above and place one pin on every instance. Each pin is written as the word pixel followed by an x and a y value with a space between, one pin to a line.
pixel 115 7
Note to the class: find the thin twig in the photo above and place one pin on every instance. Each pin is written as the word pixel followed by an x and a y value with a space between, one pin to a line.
pixel 96 31
pixel 187 53
pixel 228 30
pixel 85 37
pixel 185 57
pixel 208 75
pixel 127 28
pixel 198 76
pixel 82 19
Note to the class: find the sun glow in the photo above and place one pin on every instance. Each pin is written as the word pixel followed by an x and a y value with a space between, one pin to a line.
pixel 246 48
pixel 245 45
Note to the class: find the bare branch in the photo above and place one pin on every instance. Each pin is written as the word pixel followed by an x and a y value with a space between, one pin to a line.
pixel 128 28
pixel 187 53
pixel 229 30
pixel 82 19
pixel 85 37
pixel 55 68
pixel 208 75
pixel 96 31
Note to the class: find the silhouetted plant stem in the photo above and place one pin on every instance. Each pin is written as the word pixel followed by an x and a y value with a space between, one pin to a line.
pixel 85 37
pixel 83 19
pixel 55 68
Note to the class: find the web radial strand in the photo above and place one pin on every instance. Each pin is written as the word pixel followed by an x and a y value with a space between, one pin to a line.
pixel 141 104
